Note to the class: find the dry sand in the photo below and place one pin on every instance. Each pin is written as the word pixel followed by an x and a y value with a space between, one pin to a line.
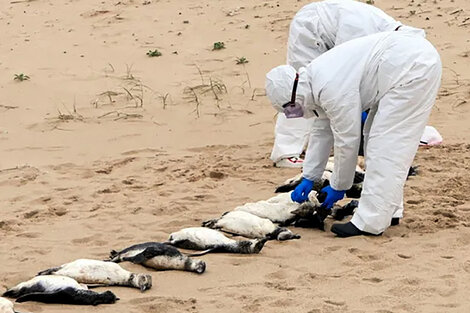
pixel 87 168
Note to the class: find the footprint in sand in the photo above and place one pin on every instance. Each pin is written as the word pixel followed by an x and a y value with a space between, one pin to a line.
pixel 280 285
pixel 28 235
pixel 83 240
pixel 335 302
pixel 375 280
pixel 31 214
pixel 367 257
pixel 142 300
pixel 466 266
pixel 276 275
pixel 8 225
pixel 284 303
pixel 57 211
pixel 166 304
pixel 111 189
pixel 333 248
pixel 18 176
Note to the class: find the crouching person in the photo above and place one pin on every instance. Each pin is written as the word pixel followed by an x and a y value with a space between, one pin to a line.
pixel 395 75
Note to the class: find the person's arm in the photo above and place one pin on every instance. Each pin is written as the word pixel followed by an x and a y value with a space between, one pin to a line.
pixel 318 151
pixel 345 121
pixel 319 148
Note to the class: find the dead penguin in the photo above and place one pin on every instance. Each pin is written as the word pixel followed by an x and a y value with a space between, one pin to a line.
pixel 249 225
pixel 159 256
pixel 210 240
pixel 277 209
pixel 58 289
pixel 100 272
pixel 6 306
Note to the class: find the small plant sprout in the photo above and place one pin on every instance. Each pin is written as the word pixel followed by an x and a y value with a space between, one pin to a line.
pixel 154 53
pixel 242 60
pixel 218 45
pixel 21 77
pixel 370 2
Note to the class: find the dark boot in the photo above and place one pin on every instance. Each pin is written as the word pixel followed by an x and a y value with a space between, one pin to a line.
pixel 348 230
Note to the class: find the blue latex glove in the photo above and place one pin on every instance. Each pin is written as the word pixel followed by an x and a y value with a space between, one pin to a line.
pixel 331 196
pixel 300 193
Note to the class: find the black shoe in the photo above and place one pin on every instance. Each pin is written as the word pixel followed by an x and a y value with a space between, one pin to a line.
pixel 348 230
pixel 395 221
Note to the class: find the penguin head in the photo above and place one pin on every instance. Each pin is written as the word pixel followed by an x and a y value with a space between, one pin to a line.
pixel 143 281
pixel 199 266
pixel 286 234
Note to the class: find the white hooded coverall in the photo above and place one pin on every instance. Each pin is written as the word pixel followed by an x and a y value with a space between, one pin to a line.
pixel 316 28
pixel 394 74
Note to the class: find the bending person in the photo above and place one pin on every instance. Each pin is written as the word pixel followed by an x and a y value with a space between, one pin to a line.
pixel 315 29
pixel 394 74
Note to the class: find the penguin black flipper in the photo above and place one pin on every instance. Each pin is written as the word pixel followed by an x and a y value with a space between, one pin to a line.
pixel 210 223
pixel 188 244
pixel 70 296
pixel 152 252
pixel 15 293
pixel 49 271
pixel 159 248
pixel 113 254
pixel 287 187
pixel 204 252
pixel 185 244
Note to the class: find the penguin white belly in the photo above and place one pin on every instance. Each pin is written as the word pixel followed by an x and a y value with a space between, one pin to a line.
pixel 277 211
pixel 55 282
pixel 280 198
pixel 6 306
pixel 246 224
pixel 202 236
pixel 94 272
pixel 164 262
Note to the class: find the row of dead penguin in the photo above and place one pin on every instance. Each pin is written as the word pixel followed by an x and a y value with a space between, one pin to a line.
pixel 260 221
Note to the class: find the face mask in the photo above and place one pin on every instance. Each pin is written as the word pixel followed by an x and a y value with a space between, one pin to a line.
pixel 291 108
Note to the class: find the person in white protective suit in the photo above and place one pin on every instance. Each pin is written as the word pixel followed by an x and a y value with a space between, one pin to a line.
pixel 394 74
pixel 316 28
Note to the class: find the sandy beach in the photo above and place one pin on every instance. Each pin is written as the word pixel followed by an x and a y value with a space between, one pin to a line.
pixel 103 147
